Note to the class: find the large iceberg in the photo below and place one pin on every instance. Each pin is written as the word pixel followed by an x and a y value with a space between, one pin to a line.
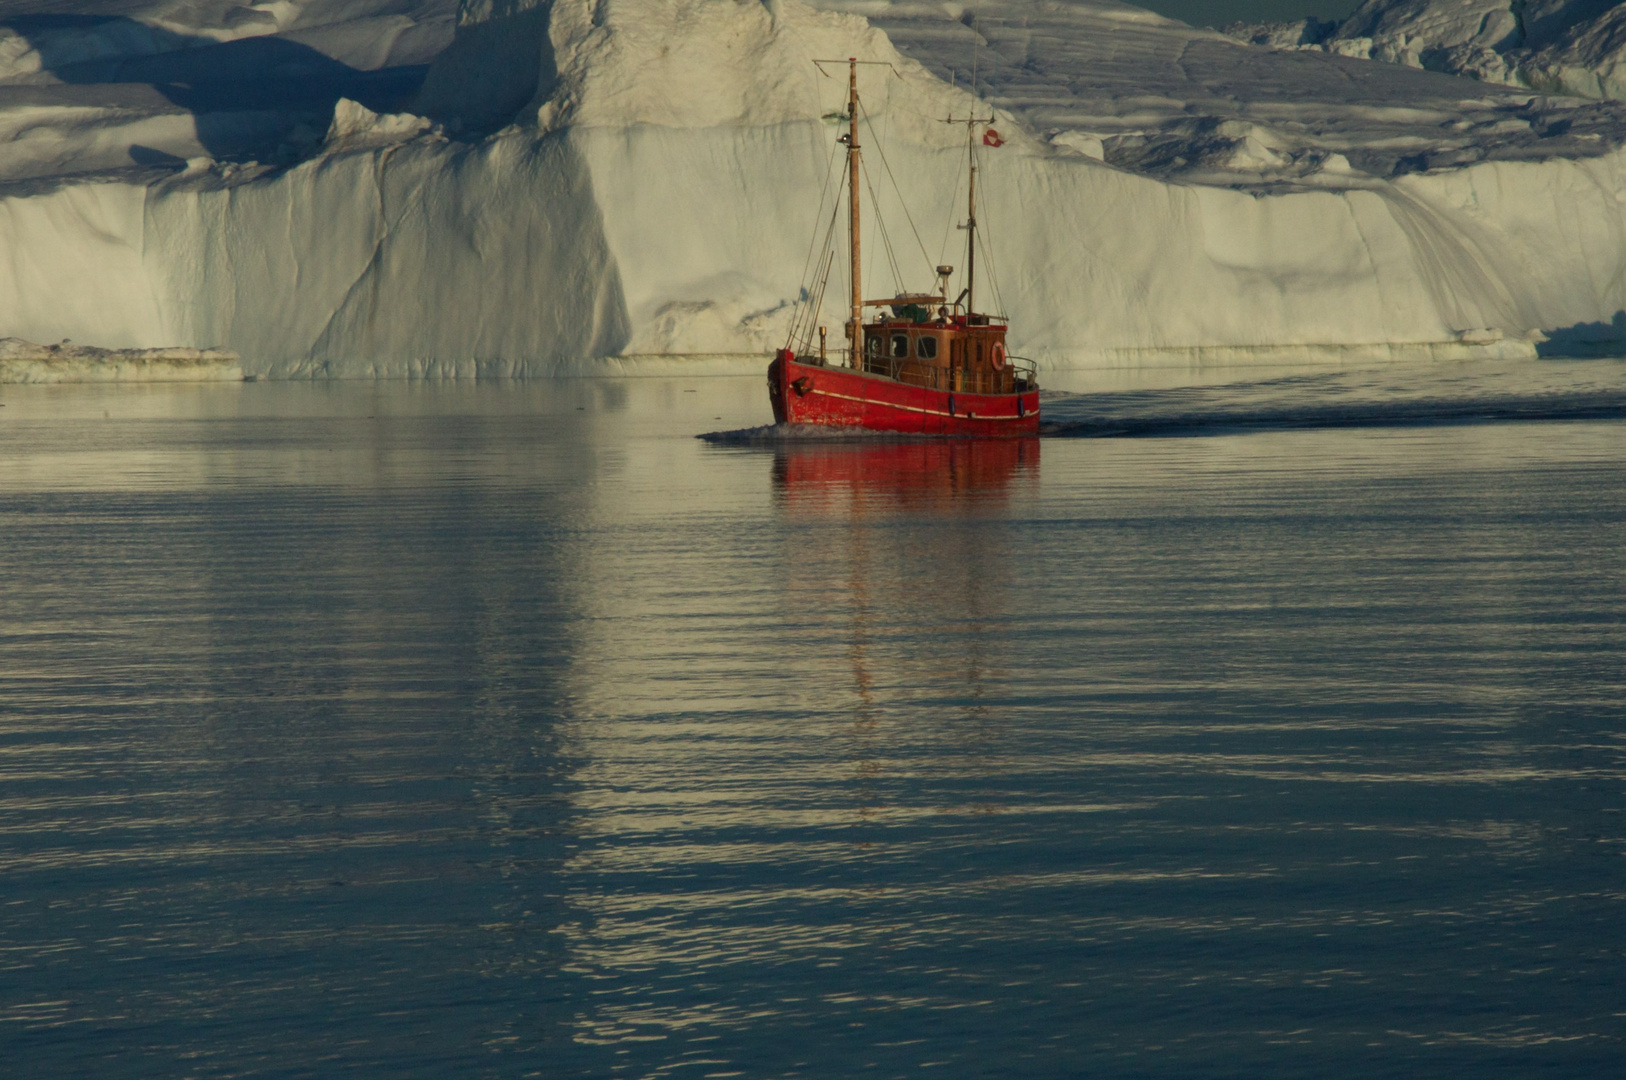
pixel 356 187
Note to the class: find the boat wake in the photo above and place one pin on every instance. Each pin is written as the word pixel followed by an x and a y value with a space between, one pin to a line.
pixel 1414 397
pixel 787 434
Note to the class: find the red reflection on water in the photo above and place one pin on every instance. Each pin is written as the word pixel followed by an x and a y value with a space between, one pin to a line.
pixel 932 473
pixel 902 566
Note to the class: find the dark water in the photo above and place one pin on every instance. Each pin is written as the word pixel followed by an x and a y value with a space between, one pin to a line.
pixel 508 730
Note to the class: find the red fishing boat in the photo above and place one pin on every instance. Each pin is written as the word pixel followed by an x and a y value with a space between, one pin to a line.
pixel 926 367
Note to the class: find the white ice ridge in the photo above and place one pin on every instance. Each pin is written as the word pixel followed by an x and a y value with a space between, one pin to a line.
pixel 25 362
pixel 581 182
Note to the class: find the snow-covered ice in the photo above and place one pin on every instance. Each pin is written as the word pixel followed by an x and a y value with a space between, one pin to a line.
pixel 1566 46
pixel 365 187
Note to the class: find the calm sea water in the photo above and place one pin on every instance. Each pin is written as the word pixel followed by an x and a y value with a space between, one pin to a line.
pixel 403 730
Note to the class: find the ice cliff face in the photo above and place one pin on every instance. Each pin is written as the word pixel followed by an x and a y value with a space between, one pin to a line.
pixel 572 181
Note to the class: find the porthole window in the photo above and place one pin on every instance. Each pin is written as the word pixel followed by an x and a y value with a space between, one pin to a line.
pixel 926 347
pixel 900 346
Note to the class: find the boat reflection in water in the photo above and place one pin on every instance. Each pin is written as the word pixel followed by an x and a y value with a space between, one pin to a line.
pixel 899 572
pixel 958 476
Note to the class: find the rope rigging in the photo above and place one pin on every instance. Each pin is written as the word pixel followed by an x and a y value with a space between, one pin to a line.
pixel 819 263
pixel 880 149
pixel 808 273
pixel 886 237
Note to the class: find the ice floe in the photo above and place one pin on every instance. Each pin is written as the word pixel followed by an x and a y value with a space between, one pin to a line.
pixel 26 362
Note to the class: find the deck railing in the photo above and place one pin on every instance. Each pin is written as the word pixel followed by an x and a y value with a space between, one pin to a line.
pixel 1025 370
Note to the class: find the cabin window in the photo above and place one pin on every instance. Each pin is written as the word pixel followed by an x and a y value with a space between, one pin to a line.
pixel 872 345
pixel 900 346
pixel 926 347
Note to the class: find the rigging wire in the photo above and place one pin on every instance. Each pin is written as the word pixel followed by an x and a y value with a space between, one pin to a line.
pixel 809 266
pixel 808 262
pixel 880 227
pixel 875 203
pixel 827 256
pixel 805 300
pixel 904 203
pixel 817 302
pixel 819 263
pixel 993 276
pixel 875 197
pixel 948 224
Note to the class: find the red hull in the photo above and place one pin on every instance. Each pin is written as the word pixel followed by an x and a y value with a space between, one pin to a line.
pixel 844 398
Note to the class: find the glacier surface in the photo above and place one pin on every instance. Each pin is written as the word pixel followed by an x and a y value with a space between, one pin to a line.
pixel 358 188
pixel 1567 46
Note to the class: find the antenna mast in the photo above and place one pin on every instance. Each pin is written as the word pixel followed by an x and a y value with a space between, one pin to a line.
pixel 971 223
pixel 855 328
pixel 971 194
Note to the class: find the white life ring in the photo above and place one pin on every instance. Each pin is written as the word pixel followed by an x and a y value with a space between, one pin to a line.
pixel 999 354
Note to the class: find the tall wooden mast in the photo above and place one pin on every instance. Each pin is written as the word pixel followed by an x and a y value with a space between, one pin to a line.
pixel 855 330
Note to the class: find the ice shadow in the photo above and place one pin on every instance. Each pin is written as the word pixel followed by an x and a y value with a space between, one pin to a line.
pixel 1587 339
pixel 155 158
pixel 491 70
pixel 217 82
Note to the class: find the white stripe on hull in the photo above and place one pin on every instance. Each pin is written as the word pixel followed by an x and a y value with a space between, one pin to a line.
pixel 914 408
